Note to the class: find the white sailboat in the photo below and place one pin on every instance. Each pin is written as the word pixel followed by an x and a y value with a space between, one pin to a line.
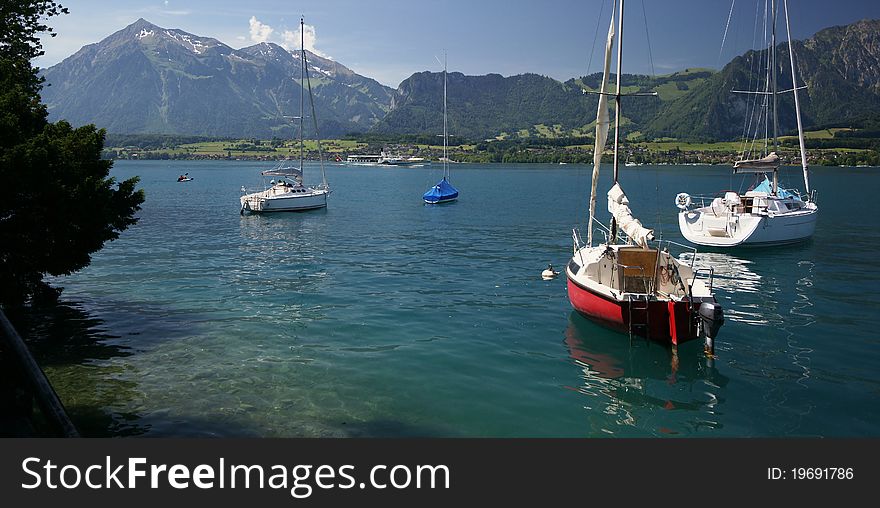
pixel 766 214
pixel 630 282
pixel 287 192
pixel 443 191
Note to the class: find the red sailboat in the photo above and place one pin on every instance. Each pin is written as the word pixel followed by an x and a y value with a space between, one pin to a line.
pixel 631 282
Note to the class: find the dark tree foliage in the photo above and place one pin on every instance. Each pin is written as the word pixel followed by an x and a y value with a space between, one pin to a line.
pixel 58 204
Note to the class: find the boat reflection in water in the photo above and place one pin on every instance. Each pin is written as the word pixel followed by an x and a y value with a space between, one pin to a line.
pixel 737 286
pixel 644 388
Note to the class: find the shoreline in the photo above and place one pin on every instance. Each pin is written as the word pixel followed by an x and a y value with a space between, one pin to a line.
pixel 537 151
pixel 858 163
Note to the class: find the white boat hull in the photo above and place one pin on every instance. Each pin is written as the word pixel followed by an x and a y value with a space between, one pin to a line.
pixel 402 163
pixel 703 227
pixel 279 200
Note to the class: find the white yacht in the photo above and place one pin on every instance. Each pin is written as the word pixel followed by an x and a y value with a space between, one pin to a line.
pixel 766 214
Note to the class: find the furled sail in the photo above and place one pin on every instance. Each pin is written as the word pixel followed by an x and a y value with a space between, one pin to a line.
pixel 618 205
pixel 768 163
pixel 602 124
pixel 285 171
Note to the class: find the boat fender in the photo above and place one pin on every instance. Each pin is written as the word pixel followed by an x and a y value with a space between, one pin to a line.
pixel 682 200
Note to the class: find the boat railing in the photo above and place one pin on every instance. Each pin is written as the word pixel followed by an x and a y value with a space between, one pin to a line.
pixel 701 201
pixel 599 227
pixel 705 200
pixel 602 228
pixel 576 238
pixel 578 241
pixel 814 195
pixel 711 275
pixel 692 251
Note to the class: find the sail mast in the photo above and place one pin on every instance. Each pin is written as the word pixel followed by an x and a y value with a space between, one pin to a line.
pixel 797 105
pixel 445 134
pixel 617 109
pixel 302 91
pixel 617 91
pixel 774 7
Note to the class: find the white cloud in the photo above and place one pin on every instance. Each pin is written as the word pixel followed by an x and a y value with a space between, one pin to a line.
pixel 259 31
pixel 291 40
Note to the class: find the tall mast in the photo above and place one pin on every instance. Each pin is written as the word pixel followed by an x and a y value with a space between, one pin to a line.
pixel 617 109
pixel 774 7
pixel 302 91
pixel 445 134
pixel 797 105
pixel 617 91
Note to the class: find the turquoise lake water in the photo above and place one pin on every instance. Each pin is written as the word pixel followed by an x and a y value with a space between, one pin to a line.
pixel 381 316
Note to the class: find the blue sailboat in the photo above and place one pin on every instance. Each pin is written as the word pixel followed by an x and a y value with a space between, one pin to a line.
pixel 443 192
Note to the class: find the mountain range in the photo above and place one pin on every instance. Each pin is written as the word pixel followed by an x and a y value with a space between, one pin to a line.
pixel 840 67
pixel 526 105
pixel 148 79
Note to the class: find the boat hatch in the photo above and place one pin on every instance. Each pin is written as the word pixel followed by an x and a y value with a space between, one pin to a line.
pixel 638 269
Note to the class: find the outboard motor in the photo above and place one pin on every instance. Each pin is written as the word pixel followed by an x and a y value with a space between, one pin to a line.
pixel 712 317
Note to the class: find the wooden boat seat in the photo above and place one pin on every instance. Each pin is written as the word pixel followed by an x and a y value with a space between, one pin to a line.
pixel 638 270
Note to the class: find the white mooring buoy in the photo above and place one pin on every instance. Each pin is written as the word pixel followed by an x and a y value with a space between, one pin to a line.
pixel 549 273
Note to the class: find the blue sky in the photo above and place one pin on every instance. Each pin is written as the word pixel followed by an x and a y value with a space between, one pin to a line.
pixel 389 40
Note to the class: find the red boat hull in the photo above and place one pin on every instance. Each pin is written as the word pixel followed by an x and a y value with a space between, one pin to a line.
pixel 667 321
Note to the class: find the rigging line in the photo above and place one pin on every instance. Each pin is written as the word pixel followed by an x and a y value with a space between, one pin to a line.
pixel 595 36
pixel 750 102
pixel 799 62
pixel 726 27
pixel 314 118
pixel 751 116
pixel 579 216
pixel 755 116
pixel 648 38
pixel 752 105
